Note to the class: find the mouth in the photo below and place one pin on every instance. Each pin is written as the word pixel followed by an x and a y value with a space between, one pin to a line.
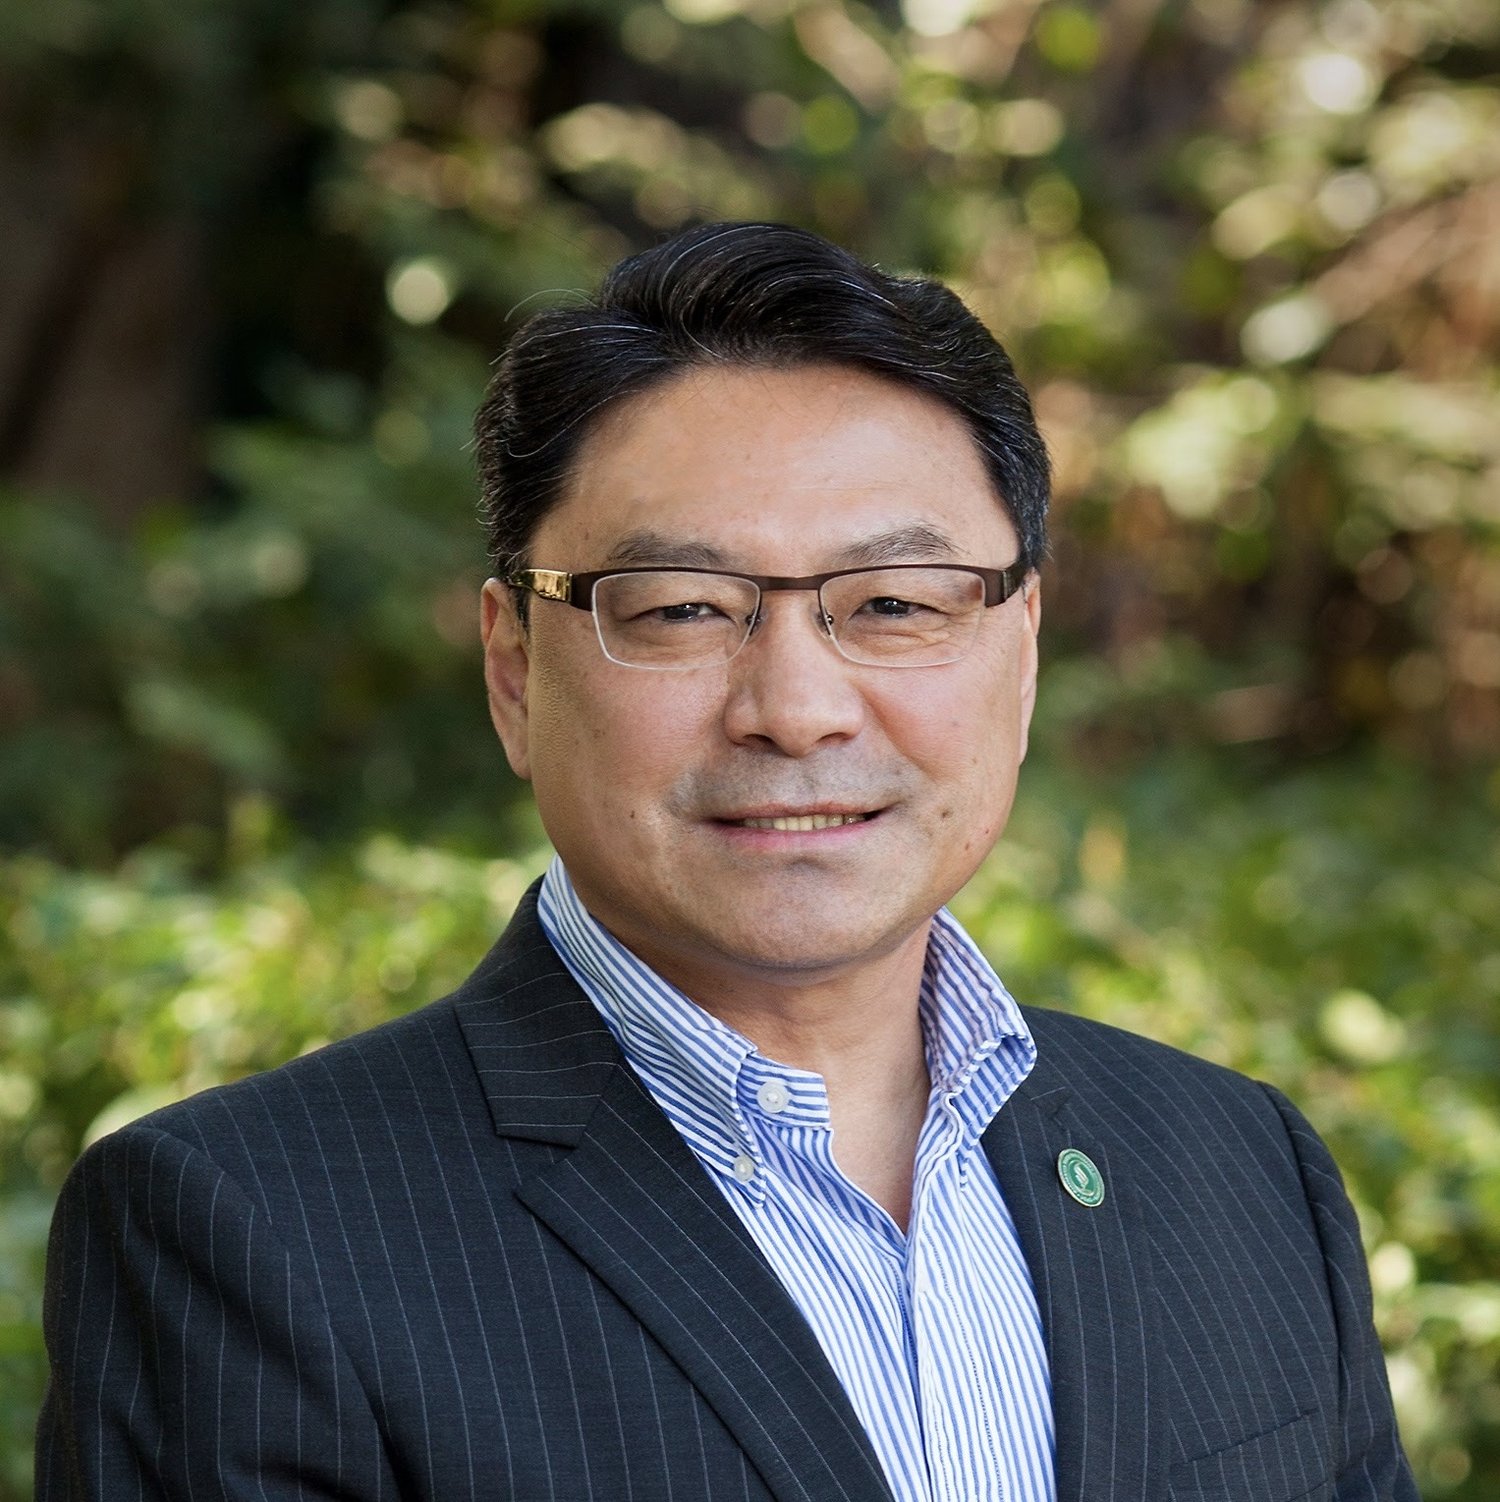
pixel 798 823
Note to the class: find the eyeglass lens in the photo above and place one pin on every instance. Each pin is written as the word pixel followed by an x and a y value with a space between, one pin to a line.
pixel 670 618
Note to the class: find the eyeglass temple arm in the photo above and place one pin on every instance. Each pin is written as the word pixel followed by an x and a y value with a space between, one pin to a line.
pixel 552 584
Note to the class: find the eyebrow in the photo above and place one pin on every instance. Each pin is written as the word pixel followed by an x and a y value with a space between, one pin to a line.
pixel 918 542
pixel 652 548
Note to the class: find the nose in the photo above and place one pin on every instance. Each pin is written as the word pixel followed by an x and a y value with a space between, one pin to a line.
pixel 790 689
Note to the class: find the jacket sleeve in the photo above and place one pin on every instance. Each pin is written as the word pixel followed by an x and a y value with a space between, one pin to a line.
pixel 1371 1466
pixel 188 1357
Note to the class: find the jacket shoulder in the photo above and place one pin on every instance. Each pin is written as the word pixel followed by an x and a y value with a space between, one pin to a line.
pixel 1081 1049
pixel 1152 1094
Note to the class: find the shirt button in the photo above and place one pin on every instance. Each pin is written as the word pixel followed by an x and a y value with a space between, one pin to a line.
pixel 744 1168
pixel 773 1097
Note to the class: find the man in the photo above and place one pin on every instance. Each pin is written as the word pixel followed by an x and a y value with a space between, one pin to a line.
pixel 733 1172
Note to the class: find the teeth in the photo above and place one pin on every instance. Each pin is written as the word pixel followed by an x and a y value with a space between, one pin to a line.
pixel 797 823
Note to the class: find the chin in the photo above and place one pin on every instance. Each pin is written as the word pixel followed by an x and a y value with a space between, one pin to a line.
pixel 807 949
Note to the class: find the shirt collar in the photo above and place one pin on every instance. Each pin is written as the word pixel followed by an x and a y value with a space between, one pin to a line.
pixel 978 1045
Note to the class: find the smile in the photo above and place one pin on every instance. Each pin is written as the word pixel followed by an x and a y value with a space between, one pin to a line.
pixel 799 823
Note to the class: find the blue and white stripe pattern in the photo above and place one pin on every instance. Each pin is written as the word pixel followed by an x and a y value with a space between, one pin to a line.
pixel 934 1334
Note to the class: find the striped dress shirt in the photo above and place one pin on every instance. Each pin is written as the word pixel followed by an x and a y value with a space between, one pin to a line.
pixel 934 1333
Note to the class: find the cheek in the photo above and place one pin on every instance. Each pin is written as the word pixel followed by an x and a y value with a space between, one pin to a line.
pixel 615 741
pixel 939 733
pixel 966 743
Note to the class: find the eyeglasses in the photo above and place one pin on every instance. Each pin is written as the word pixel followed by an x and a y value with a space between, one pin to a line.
pixel 906 615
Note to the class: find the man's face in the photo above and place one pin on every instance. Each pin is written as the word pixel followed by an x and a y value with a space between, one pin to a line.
pixel 644 779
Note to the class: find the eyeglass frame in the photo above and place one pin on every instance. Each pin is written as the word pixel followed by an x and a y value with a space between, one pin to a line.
pixel 1000 585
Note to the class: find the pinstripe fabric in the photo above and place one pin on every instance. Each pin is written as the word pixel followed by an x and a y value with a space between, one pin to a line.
pixel 465 1255
pixel 935 1334
pixel 1208 1248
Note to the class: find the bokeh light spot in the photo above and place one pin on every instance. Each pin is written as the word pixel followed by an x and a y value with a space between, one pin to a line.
pixel 420 291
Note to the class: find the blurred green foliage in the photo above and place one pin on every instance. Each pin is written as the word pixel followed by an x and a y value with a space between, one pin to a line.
pixel 1246 257
pixel 314 641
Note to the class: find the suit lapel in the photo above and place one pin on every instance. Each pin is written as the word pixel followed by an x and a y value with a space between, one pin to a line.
pixel 1091 1270
pixel 635 1205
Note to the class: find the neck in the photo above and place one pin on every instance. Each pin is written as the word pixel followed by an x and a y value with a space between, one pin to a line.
pixel 820 1021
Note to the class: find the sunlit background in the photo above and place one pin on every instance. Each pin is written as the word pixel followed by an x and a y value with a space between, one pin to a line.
pixel 255 259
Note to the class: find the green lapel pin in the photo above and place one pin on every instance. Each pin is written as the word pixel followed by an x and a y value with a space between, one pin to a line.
pixel 1080 1177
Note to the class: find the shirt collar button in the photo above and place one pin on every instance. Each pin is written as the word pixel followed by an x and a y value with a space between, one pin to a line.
pixel 773 1097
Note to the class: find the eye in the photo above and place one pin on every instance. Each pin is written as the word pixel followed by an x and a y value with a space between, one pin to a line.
pixel 889 605
pixel 688 610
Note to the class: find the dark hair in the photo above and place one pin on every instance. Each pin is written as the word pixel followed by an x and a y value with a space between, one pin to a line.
pixel 752 295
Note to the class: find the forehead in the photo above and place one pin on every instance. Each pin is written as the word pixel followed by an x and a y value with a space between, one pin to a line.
pixel 748 463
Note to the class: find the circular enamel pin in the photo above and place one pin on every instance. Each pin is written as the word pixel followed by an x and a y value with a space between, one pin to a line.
pixel 1080 1177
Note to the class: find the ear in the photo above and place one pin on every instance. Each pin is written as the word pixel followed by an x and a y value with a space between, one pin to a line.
pixel 1030 633
pixel 507 665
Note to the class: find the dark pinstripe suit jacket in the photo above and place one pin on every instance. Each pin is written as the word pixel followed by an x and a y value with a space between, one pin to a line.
pixel 465 1256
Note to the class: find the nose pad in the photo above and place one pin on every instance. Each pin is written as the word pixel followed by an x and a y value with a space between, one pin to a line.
pixel 757 619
